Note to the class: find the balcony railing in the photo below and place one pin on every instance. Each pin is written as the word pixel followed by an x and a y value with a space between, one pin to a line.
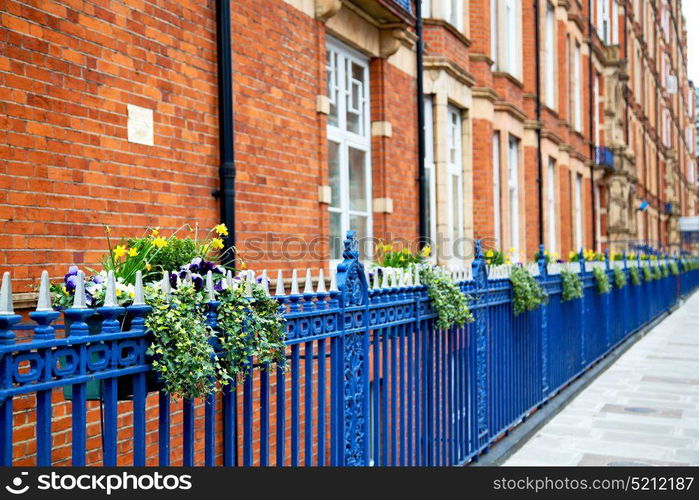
pixel 604 157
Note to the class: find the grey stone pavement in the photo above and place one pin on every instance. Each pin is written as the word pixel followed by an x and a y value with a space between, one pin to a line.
pixel 644 410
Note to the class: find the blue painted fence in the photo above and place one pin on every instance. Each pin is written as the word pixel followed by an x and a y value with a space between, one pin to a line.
pixel 369 379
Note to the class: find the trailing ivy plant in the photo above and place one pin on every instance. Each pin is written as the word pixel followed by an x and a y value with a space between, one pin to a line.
pixel 635 276
pixel 664 271
pixel 251 330
pixel 183 357
pixel 619 277
pixel 528 294
pixel 674 269
pixel 648 274
pixel 446 298
pixel 601 280
pixel 572 285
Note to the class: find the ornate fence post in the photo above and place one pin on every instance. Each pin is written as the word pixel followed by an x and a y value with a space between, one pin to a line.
pixel 480 311
pixel 583 309
pixel 8 318
pixel 543 278
pixel 353 381
pixel 608 301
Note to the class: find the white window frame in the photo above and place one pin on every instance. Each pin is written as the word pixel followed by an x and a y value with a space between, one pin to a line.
pixel 497 201
pixel 578 222
pixel 577 87
pixel 494 31
pixel 551 202
pixel 550 54
pixel 596 103
pixel 454 13
pixel 513 191
pixel 513 48
pixel 455 178
pixel 598 217
pixel 430 172
pixel 347 139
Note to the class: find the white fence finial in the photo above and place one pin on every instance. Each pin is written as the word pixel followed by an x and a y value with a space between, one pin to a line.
pixel 333 280
pixel 165 284
pixel 321 282
pixel 308 286
pixel 139 298
pixel 110 298
pixel 6 306
pixel 281 290
pixel 44 302
pixel 210 286
pixel 294 283
pixel 79 301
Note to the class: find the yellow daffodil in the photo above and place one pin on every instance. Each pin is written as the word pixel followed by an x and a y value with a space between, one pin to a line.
pixel 405 251
pixel 387 247
pixel 426 251
pixel 221 229
pixel 160 242
pixel 133 252
pixel 148 266
pixel 155 232
pixel 132 295
pixel 119 251
pixel 512 250
pixel 507 260
pixel 243 265
pixel 217 243
pixel 489 254
pixel 554 255
pixel 118 292
pixel 571 254
pixel 65 290
pixel 108 229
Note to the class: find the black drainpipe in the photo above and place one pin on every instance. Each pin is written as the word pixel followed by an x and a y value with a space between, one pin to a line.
pixel 226 171
pixel 422 181
pixel 591 99
pixel 539 158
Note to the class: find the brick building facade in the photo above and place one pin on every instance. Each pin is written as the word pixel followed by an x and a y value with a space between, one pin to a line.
pixel 325 111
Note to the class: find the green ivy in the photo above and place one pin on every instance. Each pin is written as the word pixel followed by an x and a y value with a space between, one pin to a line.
pixel 634 275
pixel 572 285
pixel 527 293
pixel 446 298
pixel 619 277
pixel 183 357
pixel 648 274
pixel 664 272
pixel 674 270
pixel 601 280
pixel 251 329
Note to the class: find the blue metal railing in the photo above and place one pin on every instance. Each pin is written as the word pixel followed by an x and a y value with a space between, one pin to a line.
pixel 369 379
pixel 604 157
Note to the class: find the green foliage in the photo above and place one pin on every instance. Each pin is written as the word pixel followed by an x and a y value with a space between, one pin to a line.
pixel 494 257
pixel 572 285
pixel 635 276
pixel 648 274
pixel 388 256
pixel 601 280
pixel 528 294
pixel 446 298
pixel 664 272
pixel 183 357
pixel 251 330
pixel 176 254
pixel 674 269
pixel 619 277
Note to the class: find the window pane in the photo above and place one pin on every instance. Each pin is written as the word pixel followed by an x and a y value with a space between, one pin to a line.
pixel 456 208
pixel 358 180
pixel 360 224
pixel 336 244
pixel 332 77
pixel 334 173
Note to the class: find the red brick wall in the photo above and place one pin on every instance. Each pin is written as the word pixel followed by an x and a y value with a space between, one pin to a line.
pixel 69 69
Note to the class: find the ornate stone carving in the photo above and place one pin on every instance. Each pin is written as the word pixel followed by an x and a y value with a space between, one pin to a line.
pixel 325 9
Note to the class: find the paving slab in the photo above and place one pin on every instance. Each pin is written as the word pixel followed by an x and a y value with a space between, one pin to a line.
pixel 644 410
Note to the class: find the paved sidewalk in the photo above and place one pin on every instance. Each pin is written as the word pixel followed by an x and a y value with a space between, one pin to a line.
pixel 644 410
